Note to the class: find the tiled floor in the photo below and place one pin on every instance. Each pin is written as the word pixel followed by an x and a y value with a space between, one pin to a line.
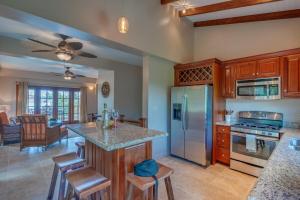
pixel 26 175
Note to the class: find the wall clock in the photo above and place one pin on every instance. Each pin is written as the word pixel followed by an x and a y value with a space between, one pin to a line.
pixel 105 89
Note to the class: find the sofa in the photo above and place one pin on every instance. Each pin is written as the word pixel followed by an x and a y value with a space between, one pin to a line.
pixel 10 131
pixel 36 131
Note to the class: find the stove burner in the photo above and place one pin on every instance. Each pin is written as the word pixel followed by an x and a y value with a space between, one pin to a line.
pixel 257 126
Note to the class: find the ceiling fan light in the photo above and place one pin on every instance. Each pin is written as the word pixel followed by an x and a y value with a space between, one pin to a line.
pixel 67 77
pixel 123 25
pixel 64 56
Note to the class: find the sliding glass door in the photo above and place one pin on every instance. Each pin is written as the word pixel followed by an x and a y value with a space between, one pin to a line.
pixel 46 102
pixel 59 103
pixel 63 106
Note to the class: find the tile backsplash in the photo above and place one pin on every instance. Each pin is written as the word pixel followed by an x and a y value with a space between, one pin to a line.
pixel 289 107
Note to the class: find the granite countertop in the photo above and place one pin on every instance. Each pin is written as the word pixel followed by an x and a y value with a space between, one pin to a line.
pixel 124 135
pixel 280 179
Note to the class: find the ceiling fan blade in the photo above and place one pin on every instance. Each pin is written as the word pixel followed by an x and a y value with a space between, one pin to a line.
pixel 87 55
pixel 81 76
pixel 43 43
pixel 62 36
pixel 75 45
pixel 43 50
pixel 56 74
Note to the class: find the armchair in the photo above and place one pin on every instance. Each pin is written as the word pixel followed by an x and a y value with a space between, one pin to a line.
pixel 9 132
pixel 35 131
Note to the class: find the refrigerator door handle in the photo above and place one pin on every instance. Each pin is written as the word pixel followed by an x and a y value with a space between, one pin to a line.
pixel 184 112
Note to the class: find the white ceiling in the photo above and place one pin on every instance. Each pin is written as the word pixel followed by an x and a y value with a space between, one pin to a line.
pixel 44 65
pixel 21 31
pixel 250 10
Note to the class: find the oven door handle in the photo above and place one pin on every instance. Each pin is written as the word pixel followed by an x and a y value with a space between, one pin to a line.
pixel 257 137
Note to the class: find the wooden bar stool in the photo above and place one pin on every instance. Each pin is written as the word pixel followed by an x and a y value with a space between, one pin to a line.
pixel 85 182
pixel 63 163
pixel 145 183
pixel 80 149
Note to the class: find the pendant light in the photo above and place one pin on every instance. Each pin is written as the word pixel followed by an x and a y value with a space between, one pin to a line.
pixel 123 24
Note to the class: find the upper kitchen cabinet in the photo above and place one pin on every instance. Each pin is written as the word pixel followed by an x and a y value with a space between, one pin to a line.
pixel 291 76
pixel 268 68
pixel 196 73
pixel 246 70
pixel 229 81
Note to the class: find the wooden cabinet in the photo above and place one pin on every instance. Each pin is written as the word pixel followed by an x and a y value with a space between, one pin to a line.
pixel 263 68
pixel 229 81
pixel 223 144
pixel 246 70
pixel 291 76
pixel 268 68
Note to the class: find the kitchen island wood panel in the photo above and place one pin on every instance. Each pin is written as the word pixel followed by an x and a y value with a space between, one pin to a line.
pixel 116 164
pixel 114 152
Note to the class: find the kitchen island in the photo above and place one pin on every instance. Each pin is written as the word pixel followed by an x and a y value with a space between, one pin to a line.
pixel 114 152
pixel 280 179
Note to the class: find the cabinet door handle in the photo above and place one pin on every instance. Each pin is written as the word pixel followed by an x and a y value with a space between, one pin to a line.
pixel 223 155
pixel 223 141
pixel 285 90
pixel 257 73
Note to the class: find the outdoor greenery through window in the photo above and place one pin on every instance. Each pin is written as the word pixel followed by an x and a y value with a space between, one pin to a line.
pixel 59 103
pixel 63 105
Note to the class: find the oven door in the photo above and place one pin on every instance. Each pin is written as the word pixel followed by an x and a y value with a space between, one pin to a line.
pixel 264 148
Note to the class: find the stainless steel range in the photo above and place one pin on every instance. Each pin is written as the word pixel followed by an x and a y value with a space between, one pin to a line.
pixel 253 140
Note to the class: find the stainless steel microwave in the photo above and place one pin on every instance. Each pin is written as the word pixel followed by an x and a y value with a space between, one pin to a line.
pixel 259 89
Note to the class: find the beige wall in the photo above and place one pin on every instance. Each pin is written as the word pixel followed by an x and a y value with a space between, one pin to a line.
pixel 247 39
pixel 157 81
pixel 154 29
pixel 126 90
pixel 8 79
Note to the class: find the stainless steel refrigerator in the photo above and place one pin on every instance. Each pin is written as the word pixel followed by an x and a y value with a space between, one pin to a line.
pixel 191 123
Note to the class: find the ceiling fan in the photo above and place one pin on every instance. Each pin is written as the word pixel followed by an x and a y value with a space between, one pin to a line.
pixel 69 75
pixel 65 50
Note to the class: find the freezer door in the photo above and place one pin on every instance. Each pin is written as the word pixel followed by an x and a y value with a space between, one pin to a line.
pixel 196 124
pixel 177 132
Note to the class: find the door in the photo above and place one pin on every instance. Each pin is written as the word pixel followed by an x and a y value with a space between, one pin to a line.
pixel 229 81
pixel 196 124
pixel 177 129
pixel 246 70
pixel 291 76
pixel 268 68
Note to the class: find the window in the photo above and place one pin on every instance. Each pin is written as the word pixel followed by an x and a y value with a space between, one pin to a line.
pixel 30 101
pixel 63 105
pixel 59 103
pixel 76 110
pixel 46 102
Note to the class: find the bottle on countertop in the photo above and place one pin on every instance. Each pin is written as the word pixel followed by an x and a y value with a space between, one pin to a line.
pixel 105 117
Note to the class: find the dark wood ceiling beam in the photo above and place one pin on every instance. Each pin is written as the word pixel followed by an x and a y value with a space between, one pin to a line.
pixel 167 1
pixel 251 18
pixel 223 6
